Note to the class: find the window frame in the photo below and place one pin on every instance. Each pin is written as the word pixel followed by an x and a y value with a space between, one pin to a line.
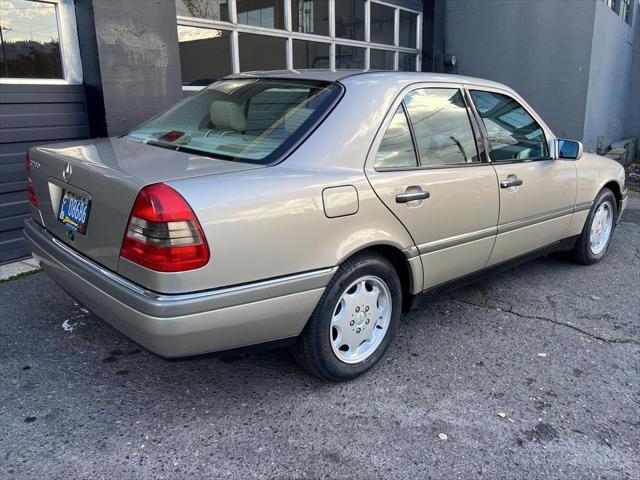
pixel 235 28
pixel 546 131
pixel 69 49
pixel 477 132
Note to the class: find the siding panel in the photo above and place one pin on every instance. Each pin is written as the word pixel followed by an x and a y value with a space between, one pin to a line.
pixel 31 115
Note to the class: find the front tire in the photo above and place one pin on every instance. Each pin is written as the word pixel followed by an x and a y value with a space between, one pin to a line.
pixel 354 322
pixel 596 235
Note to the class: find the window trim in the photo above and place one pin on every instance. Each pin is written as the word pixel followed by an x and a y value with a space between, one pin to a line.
pixel 69 49
pixel 399 100
pixel 548 134
pixel 412 133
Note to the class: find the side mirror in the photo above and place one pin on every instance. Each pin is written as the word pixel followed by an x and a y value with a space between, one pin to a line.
pixel 568 149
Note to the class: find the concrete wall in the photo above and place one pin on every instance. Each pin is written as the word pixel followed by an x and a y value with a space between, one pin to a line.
pixel 137 48
pixel 433 34
pixel 540 48
pixel 609 105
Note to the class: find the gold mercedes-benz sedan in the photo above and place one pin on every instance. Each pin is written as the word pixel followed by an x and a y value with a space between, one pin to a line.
pixel 309 208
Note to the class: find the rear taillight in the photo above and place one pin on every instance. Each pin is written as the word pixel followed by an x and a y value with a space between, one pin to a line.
pixel 33 200
pixel 163 233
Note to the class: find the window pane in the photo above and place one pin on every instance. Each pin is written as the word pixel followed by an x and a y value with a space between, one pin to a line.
pixel 349 57
pixel 31 42
pixel 205 55
pixel 406 62
pixel 310 54
pixel 380 59
pixel 261 13
pixel 260 52
pixel 209 9
pixel 382 24
pixel 513 133
pixel 408 25
pixel 350 19
pixel 442 126
pixel 310 16
pixel 396 148
pixel 241 119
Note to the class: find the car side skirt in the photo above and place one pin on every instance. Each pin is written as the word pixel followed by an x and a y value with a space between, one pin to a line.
pixel 564 245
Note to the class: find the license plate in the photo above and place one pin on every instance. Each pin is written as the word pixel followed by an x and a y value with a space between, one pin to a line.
pixel 74 211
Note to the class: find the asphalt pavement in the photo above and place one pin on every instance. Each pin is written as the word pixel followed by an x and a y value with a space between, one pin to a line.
pixel 533 373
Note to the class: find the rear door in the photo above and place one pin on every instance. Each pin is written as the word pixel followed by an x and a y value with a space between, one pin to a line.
pixel 537 193
pixel 428 167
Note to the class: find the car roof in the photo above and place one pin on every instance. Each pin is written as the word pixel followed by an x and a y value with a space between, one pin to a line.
pixel 392 77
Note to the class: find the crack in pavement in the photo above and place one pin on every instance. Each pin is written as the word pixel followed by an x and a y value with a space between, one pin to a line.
pixel 485 304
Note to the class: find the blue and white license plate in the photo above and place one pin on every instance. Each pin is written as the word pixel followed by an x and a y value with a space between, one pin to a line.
pixel 74 211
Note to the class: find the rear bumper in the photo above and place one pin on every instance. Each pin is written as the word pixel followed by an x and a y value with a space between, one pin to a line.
pixel 182 324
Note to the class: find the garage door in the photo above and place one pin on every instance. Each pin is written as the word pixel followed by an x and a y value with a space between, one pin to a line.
pixel 31 115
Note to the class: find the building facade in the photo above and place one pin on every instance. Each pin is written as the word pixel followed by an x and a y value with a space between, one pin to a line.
pixel 72 69
pixel 573 60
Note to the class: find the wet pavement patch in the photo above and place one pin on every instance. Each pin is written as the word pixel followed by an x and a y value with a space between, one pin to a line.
pixel 541 433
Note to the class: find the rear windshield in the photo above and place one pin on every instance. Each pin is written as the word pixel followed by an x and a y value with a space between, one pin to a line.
pixel 251 120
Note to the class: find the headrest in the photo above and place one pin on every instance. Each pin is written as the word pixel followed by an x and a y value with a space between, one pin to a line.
pixel 227 115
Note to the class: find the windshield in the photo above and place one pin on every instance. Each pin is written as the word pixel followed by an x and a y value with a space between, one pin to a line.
pixel 252 120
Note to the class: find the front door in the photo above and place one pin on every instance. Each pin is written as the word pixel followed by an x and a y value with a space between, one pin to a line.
pixel 426 167
pixel 537 194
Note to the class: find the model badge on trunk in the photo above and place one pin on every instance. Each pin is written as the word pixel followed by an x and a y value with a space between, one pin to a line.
pixel 66 173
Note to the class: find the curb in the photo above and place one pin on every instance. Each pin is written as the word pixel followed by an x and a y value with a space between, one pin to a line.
pixel 17 268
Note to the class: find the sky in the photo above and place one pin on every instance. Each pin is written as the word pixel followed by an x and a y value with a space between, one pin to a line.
pixel 28 20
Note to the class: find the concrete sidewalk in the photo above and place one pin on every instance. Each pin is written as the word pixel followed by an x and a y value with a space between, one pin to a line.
pixel 16 269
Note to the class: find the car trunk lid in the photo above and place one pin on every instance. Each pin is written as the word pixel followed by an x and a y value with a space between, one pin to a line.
pixel 108 173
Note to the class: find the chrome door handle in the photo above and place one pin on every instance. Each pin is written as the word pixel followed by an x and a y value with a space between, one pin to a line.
pixel 511 181
pixel 411 194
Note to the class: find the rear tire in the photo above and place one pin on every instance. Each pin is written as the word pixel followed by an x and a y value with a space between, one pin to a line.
pixel 354 322
pixel 596 235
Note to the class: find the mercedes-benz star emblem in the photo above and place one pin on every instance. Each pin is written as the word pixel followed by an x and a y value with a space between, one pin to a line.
pixel 66 173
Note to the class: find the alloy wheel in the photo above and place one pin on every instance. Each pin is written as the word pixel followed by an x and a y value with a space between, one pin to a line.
pixel 601 227
pixel 360 319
